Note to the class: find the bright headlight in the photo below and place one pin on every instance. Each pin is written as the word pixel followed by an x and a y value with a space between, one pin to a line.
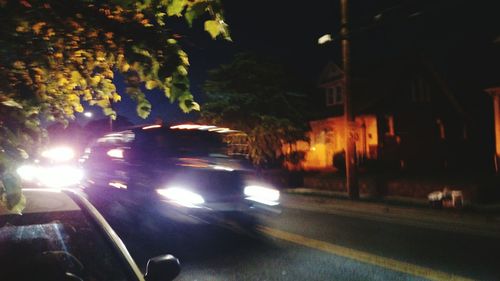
pixel 182 196
pixel 59 154
pixel 27 172
pixel 54 176
pixel 261 194
pixel 59 176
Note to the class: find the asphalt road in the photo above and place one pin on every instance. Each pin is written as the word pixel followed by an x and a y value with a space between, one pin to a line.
pixel 305 245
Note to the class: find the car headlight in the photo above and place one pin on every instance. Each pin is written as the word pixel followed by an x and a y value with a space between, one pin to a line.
pixel 53 176
pixel 59 176
pixel 27 172
pixel 182 196
pixel 59 154
pixel 262 194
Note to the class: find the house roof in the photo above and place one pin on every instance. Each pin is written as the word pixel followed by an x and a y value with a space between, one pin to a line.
pixel 330 73
pixel 377 87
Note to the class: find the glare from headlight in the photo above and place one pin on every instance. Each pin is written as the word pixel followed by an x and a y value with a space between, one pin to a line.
pixel 54 176
pixel 27 172
pixel 59 176
pixel 261 194
pixel 224 168
pixel 182 196
pixel 59 154
pixel 115 153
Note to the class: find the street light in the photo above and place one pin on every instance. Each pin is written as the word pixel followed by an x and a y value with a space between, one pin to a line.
pixel 88 114
pixel 325 39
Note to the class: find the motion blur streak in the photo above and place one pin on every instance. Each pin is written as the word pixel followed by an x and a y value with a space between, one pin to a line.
pixel 182 196
pixel 118 185
pixel 151 127
pixel 115 153
pixel 262 193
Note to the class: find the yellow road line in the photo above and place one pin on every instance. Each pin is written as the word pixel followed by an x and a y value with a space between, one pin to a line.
pixel 360 256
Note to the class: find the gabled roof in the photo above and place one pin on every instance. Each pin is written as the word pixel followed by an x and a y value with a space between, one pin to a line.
pixel 372 87
pixel 331 73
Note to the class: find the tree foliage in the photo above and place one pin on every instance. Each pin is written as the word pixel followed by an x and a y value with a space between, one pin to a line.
pixel 56 54
pixel 262 99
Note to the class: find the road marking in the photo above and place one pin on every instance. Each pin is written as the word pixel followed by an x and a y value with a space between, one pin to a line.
pixel 361 256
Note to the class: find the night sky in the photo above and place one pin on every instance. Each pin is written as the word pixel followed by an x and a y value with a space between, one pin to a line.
pixel 457 36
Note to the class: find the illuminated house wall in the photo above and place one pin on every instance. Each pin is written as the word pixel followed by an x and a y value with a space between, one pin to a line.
pixel 495 94
pixel 327 138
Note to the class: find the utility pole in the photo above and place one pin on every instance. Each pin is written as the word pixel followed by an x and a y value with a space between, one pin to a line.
pixel 350 151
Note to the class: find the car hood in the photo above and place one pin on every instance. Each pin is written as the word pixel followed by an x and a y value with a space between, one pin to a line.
pixel 213 180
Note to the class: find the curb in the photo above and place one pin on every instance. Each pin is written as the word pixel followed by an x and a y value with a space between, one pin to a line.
pixel 337 203
pixel 401 201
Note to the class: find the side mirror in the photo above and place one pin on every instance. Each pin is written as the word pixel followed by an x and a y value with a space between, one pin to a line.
pixel 162 268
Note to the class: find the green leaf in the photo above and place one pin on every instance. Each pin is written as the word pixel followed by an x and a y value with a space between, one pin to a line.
pixel 195 106
pixel 11 193
pixel 23 153
pixel 213 28
pixel 184 57
pixel 175 7
pixel 141 6
pixel 184 107
pixel 159 18
pixel 144 108
pixel 151 84
pixel 17 204
pixel 182 70
pixel 108 111
pixel 195 11
pixel 12 103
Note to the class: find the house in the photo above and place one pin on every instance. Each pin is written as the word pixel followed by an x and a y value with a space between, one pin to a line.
pixel 407 118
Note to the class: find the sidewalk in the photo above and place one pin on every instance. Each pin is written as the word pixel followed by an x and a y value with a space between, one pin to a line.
pixel 394 210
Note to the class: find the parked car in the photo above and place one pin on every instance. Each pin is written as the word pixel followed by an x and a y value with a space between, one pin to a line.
pixel 61 236
pixel 190 173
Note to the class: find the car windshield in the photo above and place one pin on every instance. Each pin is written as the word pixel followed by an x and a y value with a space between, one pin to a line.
pixel 56 246
pixel 189 143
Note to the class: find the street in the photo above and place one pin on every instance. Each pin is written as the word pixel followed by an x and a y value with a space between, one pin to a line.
pixel 309 245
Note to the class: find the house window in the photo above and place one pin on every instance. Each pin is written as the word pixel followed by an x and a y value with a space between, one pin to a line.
pixel 330 96
pixel 389 119
pixel 339 95
pixel 442 132
pixel 334 96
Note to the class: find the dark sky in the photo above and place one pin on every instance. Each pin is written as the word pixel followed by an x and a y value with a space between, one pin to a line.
pixel 457 36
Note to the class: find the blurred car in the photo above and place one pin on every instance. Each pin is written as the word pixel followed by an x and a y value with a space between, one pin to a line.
pixel 61 236
pixel 55 167
pixel 190 173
